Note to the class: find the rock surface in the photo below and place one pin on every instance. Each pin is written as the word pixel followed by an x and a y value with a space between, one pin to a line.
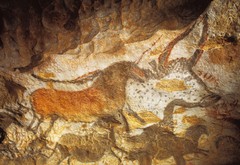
pixel 119 82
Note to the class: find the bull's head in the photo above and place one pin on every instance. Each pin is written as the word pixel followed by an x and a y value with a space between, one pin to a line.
pixel 178 77
pixel 173 83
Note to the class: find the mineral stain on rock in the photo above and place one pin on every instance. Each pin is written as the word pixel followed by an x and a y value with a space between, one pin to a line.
pixel 171 85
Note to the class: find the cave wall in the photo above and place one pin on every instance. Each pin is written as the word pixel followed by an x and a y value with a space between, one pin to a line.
pixel 119 82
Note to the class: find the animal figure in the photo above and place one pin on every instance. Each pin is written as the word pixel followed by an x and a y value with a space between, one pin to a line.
pixel 161 144
pixel 174 83
pixel 91 147
pixel 106 97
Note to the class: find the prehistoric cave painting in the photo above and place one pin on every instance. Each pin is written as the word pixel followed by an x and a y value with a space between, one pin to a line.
pixel 157 144
pixel 174 84
pixel 106 97
pixel 158 92
pixel 91 147
pixel 161 144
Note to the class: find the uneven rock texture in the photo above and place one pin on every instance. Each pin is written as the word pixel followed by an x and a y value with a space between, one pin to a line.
pixel 119 82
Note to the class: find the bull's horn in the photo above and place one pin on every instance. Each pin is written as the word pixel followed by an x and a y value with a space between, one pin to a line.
pixel 198 53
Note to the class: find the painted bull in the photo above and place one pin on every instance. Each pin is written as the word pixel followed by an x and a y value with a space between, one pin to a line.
pixel 174 83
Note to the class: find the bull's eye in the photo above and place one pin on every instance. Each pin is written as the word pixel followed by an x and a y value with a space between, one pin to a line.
pixel 2 135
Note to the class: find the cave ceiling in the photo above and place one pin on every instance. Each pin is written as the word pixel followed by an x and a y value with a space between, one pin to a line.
pixel 119 82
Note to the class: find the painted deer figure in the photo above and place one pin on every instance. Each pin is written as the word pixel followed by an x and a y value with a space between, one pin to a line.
pixel 173 84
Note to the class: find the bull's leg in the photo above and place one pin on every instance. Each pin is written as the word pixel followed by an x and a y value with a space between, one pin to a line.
pixel 179 159
pixel 121 118
pixel 35 121
pixel 114 148
pixel 53 119
pixel 168 116
pixel 64 152
pixel 134 114
pixel 145 160
pixel 32 126
pixel 115 155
